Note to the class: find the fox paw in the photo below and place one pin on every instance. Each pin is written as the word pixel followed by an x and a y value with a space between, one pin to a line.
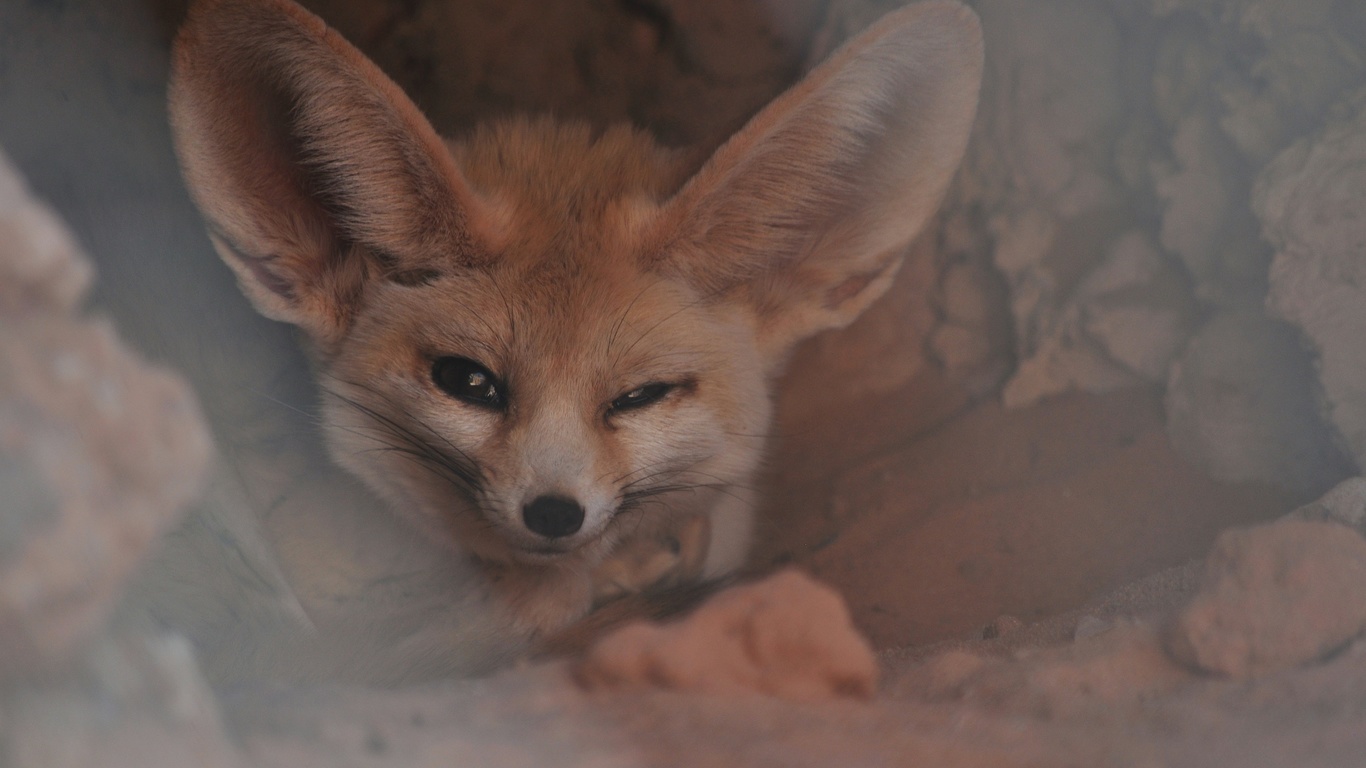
pixel 671 557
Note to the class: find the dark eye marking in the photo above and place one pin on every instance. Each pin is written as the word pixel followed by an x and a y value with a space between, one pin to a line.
pixel 464 379
pixel 640 397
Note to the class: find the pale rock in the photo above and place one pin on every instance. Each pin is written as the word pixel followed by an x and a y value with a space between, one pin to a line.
pixel 40 263
pixel 1061 365
pixel 1345 504
pixel 1131 262
pixel 1240 404
pixel 1050 117
pixel 1198 199
pixel 1002 626
pixel 1090 626
pixel 1140 337
pixel 963 337
pixel 104 450
pixel 1123 325
pixel 1053 110
pixel 1183 64
pixel 1136 307
pixel 1274 597
pixel 1311 201
pixel 957 347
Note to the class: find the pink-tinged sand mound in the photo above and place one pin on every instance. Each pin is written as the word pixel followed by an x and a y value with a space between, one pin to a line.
pixel 786 636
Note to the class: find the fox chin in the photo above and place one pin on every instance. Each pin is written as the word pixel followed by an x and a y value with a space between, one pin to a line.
pixel 549 345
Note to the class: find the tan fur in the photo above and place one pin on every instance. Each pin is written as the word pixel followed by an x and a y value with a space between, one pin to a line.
pixel 576 265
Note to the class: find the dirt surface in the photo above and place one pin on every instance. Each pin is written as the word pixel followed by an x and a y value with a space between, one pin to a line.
pixel 1093 688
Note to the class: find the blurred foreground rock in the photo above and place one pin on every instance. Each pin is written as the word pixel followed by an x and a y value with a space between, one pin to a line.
pixel 99 454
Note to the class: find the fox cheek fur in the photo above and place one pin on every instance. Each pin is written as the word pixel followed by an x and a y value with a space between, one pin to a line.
pixel 543 338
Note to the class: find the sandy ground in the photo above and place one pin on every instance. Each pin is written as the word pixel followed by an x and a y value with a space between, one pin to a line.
pixel 1086 689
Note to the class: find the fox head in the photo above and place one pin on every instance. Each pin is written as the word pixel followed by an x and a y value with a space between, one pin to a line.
pixel 534 338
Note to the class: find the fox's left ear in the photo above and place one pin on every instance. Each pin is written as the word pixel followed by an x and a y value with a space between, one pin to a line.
pixel 317 176
pixel 806 212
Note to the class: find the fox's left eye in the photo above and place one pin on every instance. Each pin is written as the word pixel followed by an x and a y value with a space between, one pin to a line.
pixel 641 396
pixel 467 380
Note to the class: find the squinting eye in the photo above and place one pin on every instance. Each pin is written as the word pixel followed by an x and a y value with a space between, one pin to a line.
pixel 467 380
pixel 640 396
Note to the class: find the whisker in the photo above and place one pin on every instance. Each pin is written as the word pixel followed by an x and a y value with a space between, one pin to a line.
pixel 621 320
pixel 312 417
pixel 460 472
pixel 392 424
pixel 700 300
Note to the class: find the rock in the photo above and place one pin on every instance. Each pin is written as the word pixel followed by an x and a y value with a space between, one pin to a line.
pixel 943 675
pixel 1044 121
pixel 1205 221
pixel 1345 504
pixel 1273 597
pixel 1090 626
pixel 1137 307
pixel 786 636
pixel 1240 404
pixel 1311 200
pixel 1002 626
pixel 40 264
pixel 99 451
pixel 1122 326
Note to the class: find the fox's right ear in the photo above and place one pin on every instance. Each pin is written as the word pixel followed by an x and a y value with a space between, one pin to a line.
pixel 315 172
pixel 803 215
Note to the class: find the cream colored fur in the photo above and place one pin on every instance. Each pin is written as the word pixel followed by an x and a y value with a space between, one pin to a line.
pixel 574 264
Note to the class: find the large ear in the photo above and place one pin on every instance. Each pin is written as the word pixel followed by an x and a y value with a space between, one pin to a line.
pixel 313 169
pixel 805 213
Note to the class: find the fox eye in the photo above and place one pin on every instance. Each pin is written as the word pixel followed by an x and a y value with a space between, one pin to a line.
pixel 467 380
pixel 640 397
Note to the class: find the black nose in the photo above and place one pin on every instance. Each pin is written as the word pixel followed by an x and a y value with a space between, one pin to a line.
pixel 553 516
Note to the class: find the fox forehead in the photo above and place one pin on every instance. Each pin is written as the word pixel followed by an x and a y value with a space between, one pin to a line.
pixel 565 193
pixel 566 292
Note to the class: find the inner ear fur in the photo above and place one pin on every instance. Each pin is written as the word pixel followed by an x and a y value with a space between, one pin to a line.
pixel 314 170
pixel 806 212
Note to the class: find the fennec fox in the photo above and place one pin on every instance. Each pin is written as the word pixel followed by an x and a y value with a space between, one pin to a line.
pixel 550 346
